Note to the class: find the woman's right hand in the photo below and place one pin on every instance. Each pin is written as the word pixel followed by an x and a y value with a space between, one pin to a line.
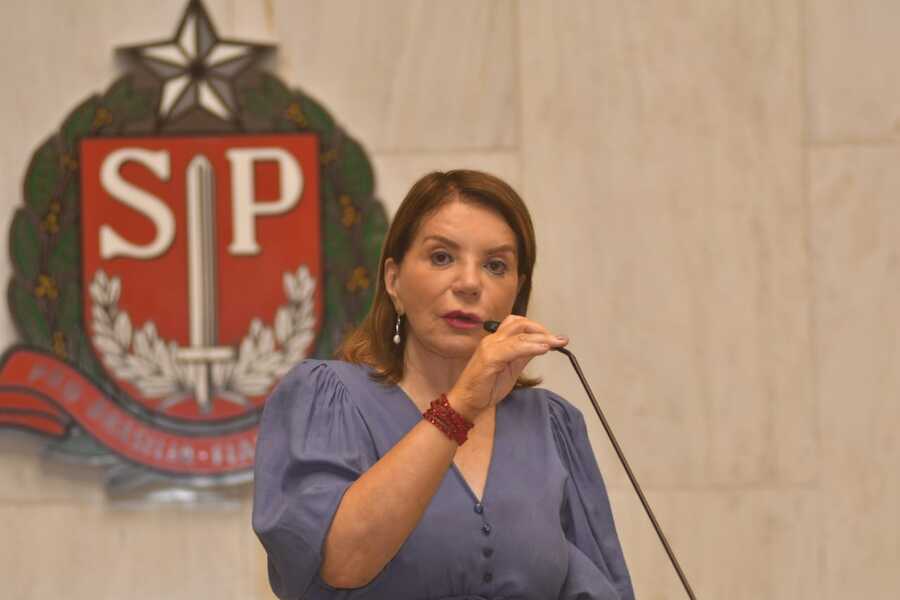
pixel 497 362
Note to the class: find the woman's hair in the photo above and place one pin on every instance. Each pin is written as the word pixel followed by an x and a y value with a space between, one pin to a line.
pixel 371 343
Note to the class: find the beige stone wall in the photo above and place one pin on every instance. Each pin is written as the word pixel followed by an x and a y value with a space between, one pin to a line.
pixel 715 189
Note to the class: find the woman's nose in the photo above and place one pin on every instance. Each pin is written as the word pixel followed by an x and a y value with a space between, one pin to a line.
pixel 468 280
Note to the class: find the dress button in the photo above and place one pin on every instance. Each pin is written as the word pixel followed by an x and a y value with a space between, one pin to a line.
pixel 488 577
pixel 487 552
pixel 486 529
pixel 479 508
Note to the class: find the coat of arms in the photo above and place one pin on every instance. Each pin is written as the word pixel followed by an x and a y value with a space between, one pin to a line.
pixel 186 237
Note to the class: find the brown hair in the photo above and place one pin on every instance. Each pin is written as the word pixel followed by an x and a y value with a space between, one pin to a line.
pixel 371 343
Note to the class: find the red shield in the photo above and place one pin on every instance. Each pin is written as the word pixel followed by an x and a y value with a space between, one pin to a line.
pixel 201 266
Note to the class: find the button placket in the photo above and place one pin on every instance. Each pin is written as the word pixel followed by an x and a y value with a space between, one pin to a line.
pixel 485 525
pixel 486 551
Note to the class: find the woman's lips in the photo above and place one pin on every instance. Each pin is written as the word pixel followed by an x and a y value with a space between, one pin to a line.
pixel 460 320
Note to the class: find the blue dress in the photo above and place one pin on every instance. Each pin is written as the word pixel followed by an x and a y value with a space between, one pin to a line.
pixel 542 530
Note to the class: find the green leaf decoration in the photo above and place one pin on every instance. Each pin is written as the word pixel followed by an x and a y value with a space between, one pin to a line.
pixel 335 244
pixel 126 103
pixel 283 126
pixel 71 203
pixel 337 261
pixel 254 103
pixel 79 123
pixel 267 100
pixel 329 195
pixel 279 96
pixel 69 315
pixel 374 228
pixel 82 353
pixel 317 118
pixel 28 316
pixel 119 94
pixel 65 254
pixel 25 246
pixel 43 178
pixel 354 169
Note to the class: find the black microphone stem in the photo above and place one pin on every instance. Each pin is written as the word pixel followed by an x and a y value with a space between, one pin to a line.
pixel 492 326
pixel 631 477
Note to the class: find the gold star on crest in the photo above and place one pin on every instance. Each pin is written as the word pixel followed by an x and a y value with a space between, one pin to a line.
pixel 197 68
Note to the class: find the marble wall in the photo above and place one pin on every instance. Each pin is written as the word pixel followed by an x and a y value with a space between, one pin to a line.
pixel 714 198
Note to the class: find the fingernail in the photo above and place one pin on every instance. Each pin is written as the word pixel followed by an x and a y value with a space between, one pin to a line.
pixel 563 338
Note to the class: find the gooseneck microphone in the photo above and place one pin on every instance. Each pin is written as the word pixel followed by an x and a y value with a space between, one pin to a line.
pixel 492 326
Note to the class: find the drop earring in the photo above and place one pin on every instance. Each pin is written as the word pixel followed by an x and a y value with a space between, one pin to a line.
pixel 397 331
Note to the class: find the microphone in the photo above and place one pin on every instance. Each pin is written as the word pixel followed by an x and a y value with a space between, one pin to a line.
pixel 491 327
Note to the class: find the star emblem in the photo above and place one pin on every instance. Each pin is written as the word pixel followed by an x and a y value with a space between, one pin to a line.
pixel 197 68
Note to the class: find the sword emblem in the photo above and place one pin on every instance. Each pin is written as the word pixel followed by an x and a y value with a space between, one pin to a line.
pixel 204 350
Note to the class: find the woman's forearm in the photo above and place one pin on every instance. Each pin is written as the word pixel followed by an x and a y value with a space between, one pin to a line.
pixel 382 507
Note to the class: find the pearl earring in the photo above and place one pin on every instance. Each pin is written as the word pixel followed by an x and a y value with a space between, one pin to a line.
pixel 397 331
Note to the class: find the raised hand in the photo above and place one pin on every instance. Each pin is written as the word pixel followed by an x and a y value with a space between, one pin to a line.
pixel 497 363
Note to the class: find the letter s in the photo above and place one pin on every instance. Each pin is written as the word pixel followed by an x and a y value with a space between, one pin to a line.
pixel 111 243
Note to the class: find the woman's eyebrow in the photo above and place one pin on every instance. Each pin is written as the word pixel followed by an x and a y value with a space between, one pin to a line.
pixel 443 240
pixel 509 248
pixel 501 249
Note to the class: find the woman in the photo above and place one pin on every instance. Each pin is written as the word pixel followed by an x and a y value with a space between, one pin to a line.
pixel 495 493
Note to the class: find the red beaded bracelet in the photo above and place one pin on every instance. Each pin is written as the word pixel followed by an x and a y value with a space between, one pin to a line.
pixel 453 424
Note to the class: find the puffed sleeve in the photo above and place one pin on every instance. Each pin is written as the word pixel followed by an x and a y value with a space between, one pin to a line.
pixel 597 569
pixel 313 443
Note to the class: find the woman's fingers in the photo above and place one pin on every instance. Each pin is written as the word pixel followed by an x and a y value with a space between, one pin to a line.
pixel 520 345
pixel 519 337
pixel 544 339
pixel 518 325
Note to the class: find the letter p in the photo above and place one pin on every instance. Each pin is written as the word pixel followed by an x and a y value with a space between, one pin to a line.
pixel 245 209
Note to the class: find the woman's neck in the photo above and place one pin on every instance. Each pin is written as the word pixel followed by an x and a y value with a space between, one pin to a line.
pixel 427 375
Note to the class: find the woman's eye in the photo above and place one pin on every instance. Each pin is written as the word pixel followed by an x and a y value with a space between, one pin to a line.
pixel 440 258
pixel 497 267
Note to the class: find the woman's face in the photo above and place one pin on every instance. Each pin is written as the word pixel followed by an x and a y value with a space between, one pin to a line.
pixel 460 270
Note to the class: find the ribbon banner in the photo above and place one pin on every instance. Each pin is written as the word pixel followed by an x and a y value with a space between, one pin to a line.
pixel 45 395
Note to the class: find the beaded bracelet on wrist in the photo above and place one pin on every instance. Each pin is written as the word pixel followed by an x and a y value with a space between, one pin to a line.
pixel 442 416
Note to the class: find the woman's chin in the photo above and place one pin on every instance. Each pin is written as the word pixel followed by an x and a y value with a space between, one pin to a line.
pixel 454 347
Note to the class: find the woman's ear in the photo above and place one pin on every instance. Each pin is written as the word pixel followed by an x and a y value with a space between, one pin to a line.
pixel 391 278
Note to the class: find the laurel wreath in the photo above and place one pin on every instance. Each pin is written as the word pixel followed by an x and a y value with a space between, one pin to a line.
pixel 259 362
pixel 142 358
pixel 44 292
